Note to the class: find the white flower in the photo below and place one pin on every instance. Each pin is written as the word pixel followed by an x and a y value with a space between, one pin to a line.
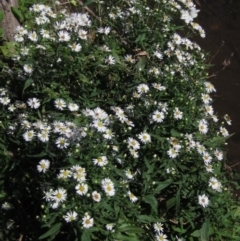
pixel 158 227
pixel 82 189
pixel 64 174
pixel 203 200
pixel 129 174
pixel 224 131
pixel 24 51
pixel 99 125
pixel 70 216
pixel 33 103
pixel 7 206
pixel 96 196
pixel 75 47
pixel 18 37
pixel 45 33
pixel 87 221
pixel 43 136
pixel 206 99
pixel 132 197
pixel 110 226
pixel 144 137
pixel 73 107
pixel 62 143
pixel 206 157
pixel 209 87
pixel 158 116
pixel 110 60
pixel 108 134
pixel 43 165
pixel 172 152
pixel 132 143
pixel 28 68
pixel 63 36
pixel 215 184
pixel 33 36
pixel 177 114
pixel 227 119
pixel 158 86
pixel 203 127
pixel 158 54
pixel 218 154
pixel 60 104
pixel 100 161
pixel 142 88
pixel 28 135
pixel 105 30
pixel 108 187
pixel 82 34
pixel 59 195
pixel 128 58
pixel 161 237
pixel 5 100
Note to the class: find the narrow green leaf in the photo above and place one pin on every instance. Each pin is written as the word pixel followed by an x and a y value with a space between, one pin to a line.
pixel 122 237
pixel 42 154
pixel 17 14
pixel 89 2
pixel 147 219
pixel 175 133
pixel 130 229
pixel 196 233
pixel 53 231
pixel 162 185
pixel 205 230
pixel 150 199
pixel 27 83
pixel 171 202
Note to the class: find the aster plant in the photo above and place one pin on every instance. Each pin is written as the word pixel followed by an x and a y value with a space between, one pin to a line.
pixel 108 132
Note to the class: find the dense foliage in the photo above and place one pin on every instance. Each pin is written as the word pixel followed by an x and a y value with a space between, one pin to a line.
pixel 107 128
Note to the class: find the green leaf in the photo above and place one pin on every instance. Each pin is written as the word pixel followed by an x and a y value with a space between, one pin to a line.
pixel 85 236
pixel 8 49
pixel 1 15
pixel 130 228
pixel 204 231
pixel 27 83
pixel 150 199
pixel 196 233
pixel 42 154
pixel 175 133
pixel 147 219
pixel 89 2
pixel 53 231
pixel 141 64
pixel 162 185
pixel 171 202
pixel 17 14
pixel 237 212
pixel 122 237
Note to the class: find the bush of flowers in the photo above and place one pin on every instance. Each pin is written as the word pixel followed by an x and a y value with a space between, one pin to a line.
pixel 107 128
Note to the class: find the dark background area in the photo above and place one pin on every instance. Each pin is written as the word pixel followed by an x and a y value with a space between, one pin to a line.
pixel 221 21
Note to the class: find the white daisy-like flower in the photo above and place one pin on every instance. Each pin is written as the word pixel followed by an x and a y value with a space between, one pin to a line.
pixel 108 187
pixel 128 58
pixel 209 87
pixel 158 116
pixel 203 200
pixel 43 136
pixel 158 86
pixel 96 196
pixel 70 216
pixel 64 174
pixel 87 221
pixel 62 143
pixel 203 126
pixel 33 103
pixel 28 135
pixel 215 184
pixel 132 197
pixel 105 48
pixel 60 104
pixel 43 165
pixel 142 89
pixel 33 36
pixel 144 137
pixel 129 174
pixel 206 157
pixel 18 37
pixel 108 134
pixel 173 153
pixel 59 195
pixel 209 109
pixel 73 107
pixel 7 206
pixel 11 108
pixel 45 33
pixel 209 168
pixel 82 189
pixel 206 99
pixel 224 131
pixel 24 51
pixel 100 161
pixel 218 154
pixel 105 30
pixel 28 68
pixel 75 47
pixel 228 119
pixel 110 226
pixel 161 237
pixel 158 54
pixel 110 60
pixel 63 36
pixel 5 100
pixel 132 143
pixel 99 125
pixel 158 227
pixel 82 34
pixel 177 114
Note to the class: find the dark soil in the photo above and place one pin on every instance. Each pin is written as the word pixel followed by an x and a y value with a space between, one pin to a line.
pixel 221 21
